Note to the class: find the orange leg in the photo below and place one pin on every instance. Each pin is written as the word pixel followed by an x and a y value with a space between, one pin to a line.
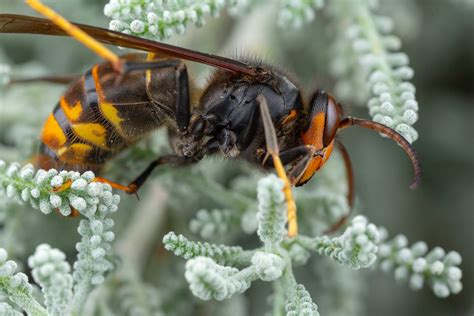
pixel 77 33
pixel 130 189
pixel 273 150
pixel 66 185
pixel 291 205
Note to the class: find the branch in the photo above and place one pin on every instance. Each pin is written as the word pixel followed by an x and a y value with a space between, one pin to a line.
pixel 17 288
pixel 415 264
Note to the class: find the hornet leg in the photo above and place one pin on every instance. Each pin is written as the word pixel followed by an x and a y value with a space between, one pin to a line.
pixel 77 33
pixel 120 65
pixel 182 107
pixel 135 185
pixel 273 150
pixel 299 157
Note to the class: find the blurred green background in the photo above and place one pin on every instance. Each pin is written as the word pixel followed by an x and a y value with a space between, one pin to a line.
pixel 437 36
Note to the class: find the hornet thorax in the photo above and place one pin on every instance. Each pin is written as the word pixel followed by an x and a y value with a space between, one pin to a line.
pixel 227 118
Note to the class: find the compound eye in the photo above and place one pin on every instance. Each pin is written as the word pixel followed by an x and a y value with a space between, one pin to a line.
pixel 331 123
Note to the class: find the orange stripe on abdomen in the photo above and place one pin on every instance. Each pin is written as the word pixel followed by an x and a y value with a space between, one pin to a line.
pixel 75 153
pixel 53 135
pixel 72 112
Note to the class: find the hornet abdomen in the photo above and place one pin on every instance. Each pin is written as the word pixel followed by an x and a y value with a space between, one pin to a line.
pixel 102 113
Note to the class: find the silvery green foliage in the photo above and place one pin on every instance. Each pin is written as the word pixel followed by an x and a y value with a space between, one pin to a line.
pixel 187 249
pixel 368 59
pixel 159 19
pixel 320 203
pixel 209 279
pixel 300 303
pixel 294 14
pixel 357 247
pixel 52 272
pixel 418 266
pixel 93 200
pixel 39 189
pixel 7 310
pixel 368 55
pixel 16 287
pixel 95 246
pixel 213 224
pixel 269 267
pixel 271 214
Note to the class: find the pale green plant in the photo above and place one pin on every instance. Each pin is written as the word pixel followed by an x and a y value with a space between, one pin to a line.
pixel 16 287
pixel 52 272
pixel 418 266
pixel 235 203
pixel 211 269
pixel 369 63
pixel 368 60
pixel 93 200
pixel 159 19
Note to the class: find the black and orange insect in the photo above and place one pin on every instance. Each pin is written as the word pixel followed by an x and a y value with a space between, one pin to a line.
pixel 248 110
